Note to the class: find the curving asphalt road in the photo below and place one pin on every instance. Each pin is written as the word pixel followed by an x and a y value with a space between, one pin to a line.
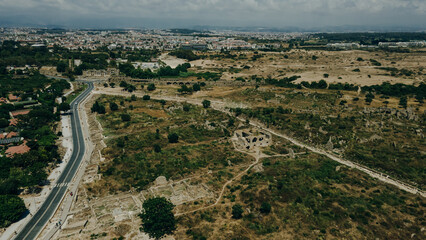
pixel 48 208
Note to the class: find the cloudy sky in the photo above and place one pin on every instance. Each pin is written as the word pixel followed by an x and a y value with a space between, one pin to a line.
pixel 187 13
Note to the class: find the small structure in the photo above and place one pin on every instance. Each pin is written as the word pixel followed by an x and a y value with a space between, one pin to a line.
pixel 249 139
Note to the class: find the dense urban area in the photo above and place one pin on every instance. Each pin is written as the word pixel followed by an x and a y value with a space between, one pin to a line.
pixel 189 134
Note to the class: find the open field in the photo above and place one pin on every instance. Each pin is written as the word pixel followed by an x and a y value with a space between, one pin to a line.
pixel 355 66
pixel 310 196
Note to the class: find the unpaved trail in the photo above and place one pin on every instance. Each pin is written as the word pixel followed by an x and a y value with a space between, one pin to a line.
pixel 221 106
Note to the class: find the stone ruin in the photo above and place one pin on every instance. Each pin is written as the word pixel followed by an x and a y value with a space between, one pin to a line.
pixel 249 139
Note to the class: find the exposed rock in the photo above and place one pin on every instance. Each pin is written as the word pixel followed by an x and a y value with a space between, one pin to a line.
pixel 291 152
pixel 160 181
pixel 258 168
pixel 322 131
pixel 329 144
pixel 307 126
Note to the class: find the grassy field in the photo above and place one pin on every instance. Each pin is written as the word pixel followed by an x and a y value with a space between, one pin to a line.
pixel 311 198
pixel 387 142
pixel 139 150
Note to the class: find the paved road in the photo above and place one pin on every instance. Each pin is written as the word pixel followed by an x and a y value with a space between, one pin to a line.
pixel 48 208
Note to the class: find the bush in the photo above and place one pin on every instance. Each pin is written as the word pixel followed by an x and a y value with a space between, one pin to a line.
pixel 125 117
pixel 196 87
pixel 403 102
pixel 173 138
pixel 186 107
pixel 157 148
pixel 237 211
pixel 206 103
pixel 146 97
pixel 151 87
pixel 265 208
pixel 113 106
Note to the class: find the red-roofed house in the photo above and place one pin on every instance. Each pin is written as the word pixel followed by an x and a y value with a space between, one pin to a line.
pixel 23 148
pixel 13 98
pixel 20 112
pixel 13 122
pixel 12 134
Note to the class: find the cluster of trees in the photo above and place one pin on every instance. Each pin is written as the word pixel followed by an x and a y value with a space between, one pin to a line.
pixel 128 87
pixel 11 209
pixel 98 107
pixel 388 89
pixel 398 90
pixel 12 53
pixel 184 54
pixel 195 88
pixel 29 170
pixel 167 71
pixel 144 55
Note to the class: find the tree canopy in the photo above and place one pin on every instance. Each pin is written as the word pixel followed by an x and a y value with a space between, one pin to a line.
pixel 157 217
pixel 11 209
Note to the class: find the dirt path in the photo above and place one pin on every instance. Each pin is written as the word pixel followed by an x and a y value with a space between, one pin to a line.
pixel 221 106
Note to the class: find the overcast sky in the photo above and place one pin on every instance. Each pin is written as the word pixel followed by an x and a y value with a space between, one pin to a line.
pixel 187 13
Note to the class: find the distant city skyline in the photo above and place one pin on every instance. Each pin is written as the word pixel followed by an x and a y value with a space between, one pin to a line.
pixel 326 15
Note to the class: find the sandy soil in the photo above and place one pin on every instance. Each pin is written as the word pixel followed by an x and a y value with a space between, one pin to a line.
pixel 171 60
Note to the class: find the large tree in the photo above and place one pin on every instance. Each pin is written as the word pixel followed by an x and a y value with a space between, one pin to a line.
pixel 11 209
pixel 157 217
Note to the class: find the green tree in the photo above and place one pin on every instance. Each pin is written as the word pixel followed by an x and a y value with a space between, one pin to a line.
pixel 64 107
pixel 265 208
pixel 186 107
pixel 146 97
pixel 151 87
pixel 157 148
pixel 11 209
pixel 403 101
pixel 237 211
pixel 206 103
pixel 173 138
pixel 113 106
pixel 61 67
pixel 125 117
pixel 196 87
pixel 157 217
pixel 133 97
pixel 184 89
pixel 123 84
pixel 4 122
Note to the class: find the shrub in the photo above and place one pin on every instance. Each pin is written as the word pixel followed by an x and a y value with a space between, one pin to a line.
pixel 206 103
pixel 265 208
pixel 173 138
pixel 186 107
pixel 237 211
pixel 157 148
pixel 125 117
pixel 113 106
pixel 146 97
pixel 151 87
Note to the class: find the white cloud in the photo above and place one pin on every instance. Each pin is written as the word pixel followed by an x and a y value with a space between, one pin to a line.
pixel 221 10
